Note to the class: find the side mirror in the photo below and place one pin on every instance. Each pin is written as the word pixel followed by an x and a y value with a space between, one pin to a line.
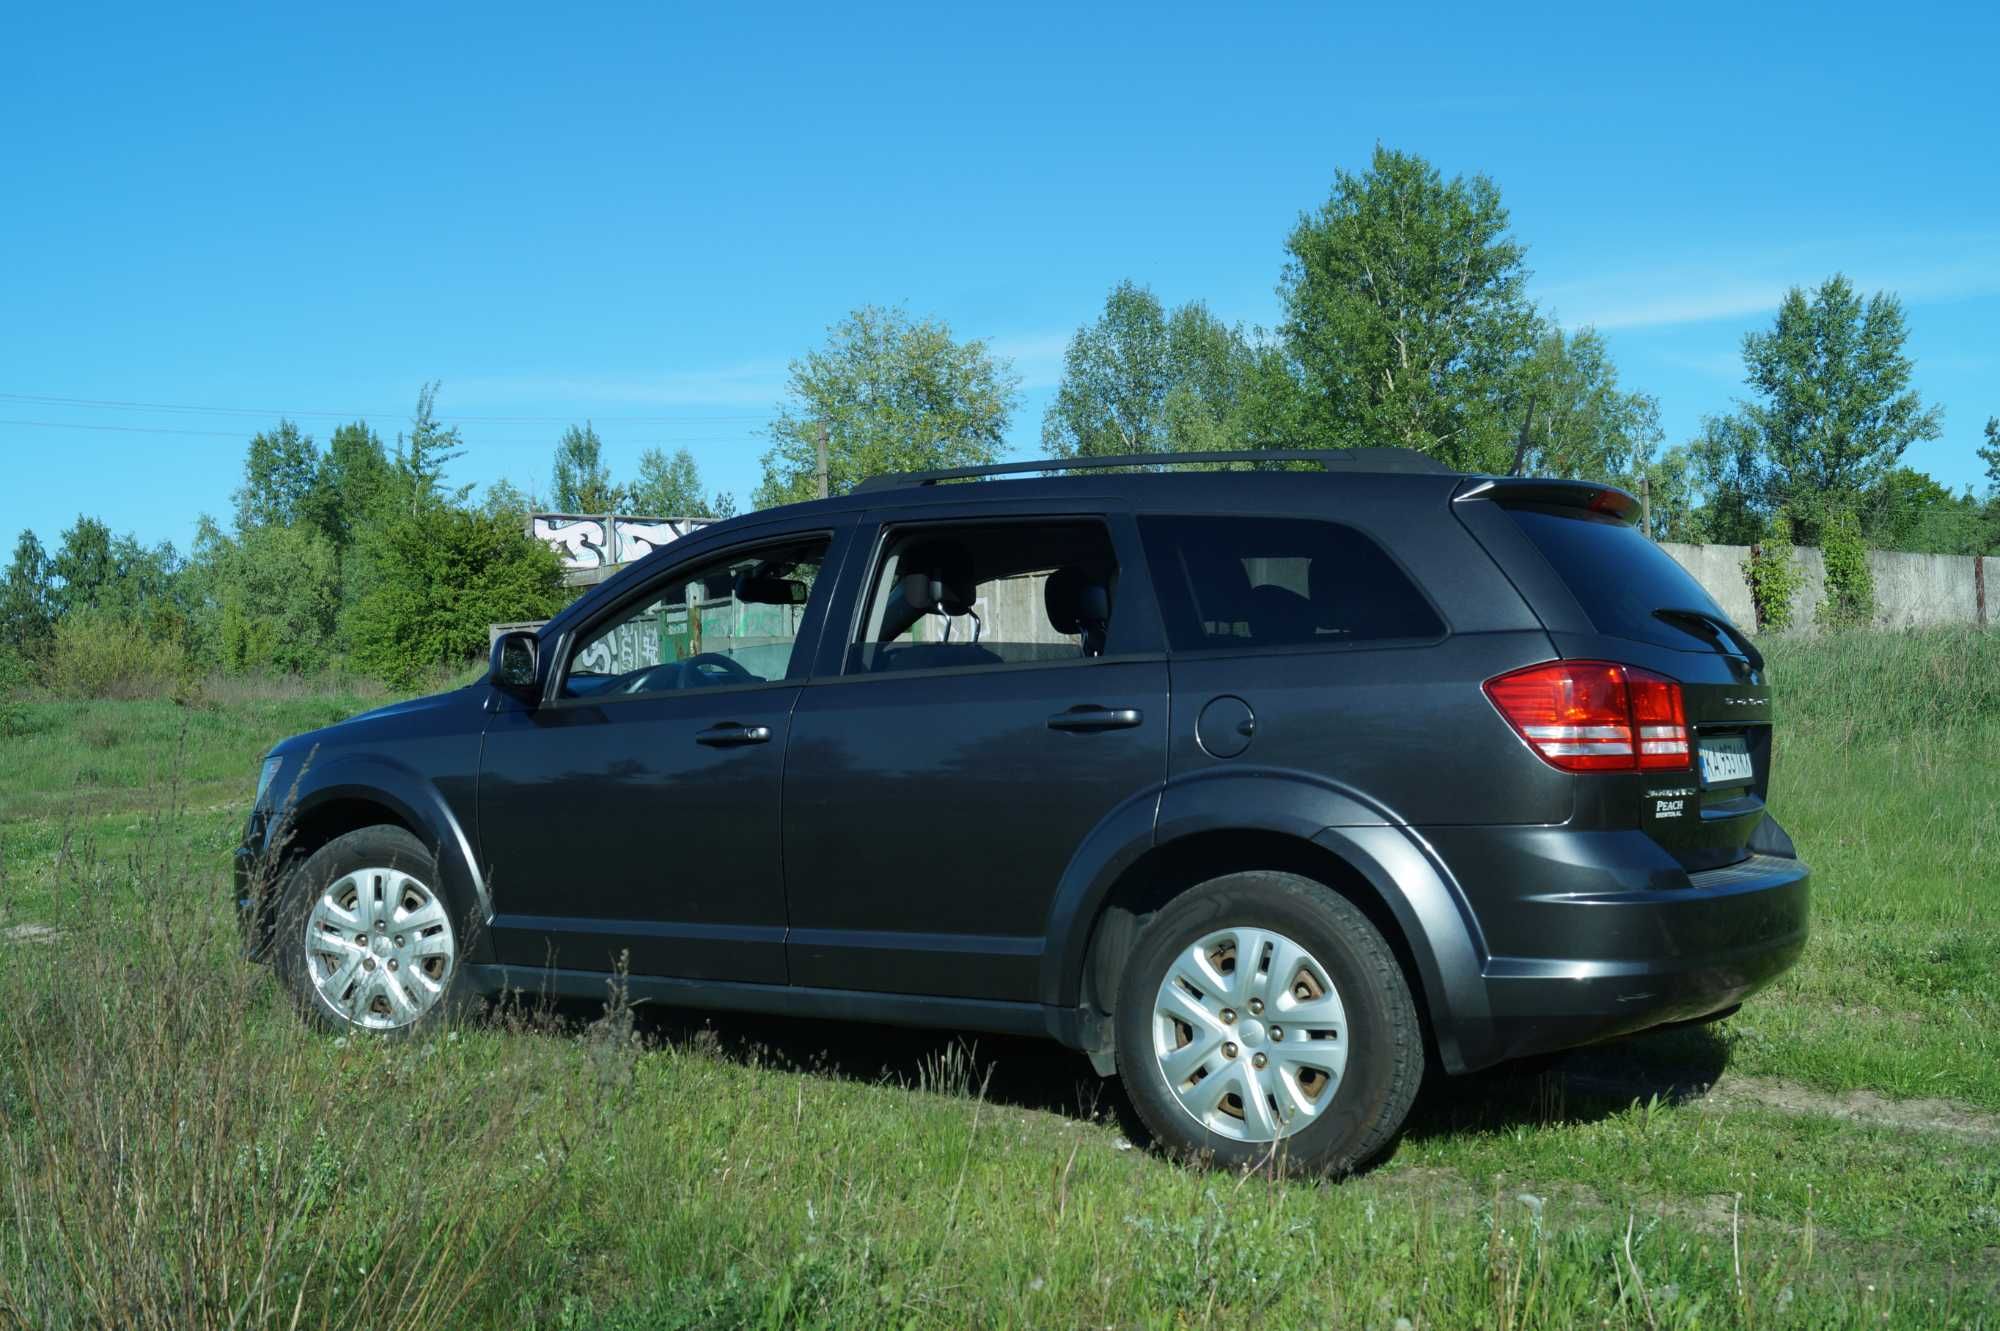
pixel 516 665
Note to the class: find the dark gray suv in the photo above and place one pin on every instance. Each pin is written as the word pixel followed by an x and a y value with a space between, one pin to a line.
pixel 1259 785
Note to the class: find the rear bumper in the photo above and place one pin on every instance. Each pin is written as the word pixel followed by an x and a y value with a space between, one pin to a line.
pixel 1649 957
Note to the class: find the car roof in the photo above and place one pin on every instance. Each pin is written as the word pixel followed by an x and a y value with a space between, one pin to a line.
pixel 1131 476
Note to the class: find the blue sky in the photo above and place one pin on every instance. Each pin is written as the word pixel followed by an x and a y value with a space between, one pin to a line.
pixel 639 215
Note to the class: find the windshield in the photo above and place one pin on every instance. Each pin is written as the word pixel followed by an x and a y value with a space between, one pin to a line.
pixel 1620 578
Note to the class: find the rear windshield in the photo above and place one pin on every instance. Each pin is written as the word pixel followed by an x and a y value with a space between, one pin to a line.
pixel 1618 576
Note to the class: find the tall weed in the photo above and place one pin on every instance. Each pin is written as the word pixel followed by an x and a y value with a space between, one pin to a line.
pixel 179 1151
pixel 1860 682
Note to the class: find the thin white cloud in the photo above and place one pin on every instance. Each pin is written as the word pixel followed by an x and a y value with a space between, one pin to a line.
pixel 1672 302
pixel 1698 293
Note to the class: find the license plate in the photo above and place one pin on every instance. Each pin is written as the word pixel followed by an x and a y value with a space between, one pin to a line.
pixel 1725 761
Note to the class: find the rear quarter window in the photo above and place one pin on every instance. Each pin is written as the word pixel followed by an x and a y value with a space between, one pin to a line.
pixel 1618 576
pixel 1236 582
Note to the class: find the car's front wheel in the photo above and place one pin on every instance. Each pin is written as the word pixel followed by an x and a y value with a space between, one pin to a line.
pixel 365 938
pixel 1262 1018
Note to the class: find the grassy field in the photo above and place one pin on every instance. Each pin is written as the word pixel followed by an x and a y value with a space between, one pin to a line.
pixel 176 1151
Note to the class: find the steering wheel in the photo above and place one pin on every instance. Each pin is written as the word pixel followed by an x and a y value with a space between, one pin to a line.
pixel 706 668
pixel 712 664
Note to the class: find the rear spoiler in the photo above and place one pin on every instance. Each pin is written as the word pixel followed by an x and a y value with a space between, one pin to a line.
pixel 1526 491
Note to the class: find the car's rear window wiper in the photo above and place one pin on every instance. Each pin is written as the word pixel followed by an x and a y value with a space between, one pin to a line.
pixel 1715 627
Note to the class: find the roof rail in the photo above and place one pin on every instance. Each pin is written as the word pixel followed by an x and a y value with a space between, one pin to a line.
pixel 1329 459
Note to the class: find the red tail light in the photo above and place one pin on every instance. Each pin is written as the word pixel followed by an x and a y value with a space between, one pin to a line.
pixel 1594 716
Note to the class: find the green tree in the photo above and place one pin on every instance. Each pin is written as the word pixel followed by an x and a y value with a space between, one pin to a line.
pixel 1832 413
pixel 1572 419
pixel 1672 495
pixel 279 473
pixel 94 570
pixel 508 500
pixel 353 481
pixel 669 486
pixel 83 567
pixel 1141 380
pixel 1406 313
pixel 1908 510
pixel 1990 454
pixel 277 591
pixel 27 598
pixel 582 483
pixel 423 454
pixel 894 394
pixel 434 580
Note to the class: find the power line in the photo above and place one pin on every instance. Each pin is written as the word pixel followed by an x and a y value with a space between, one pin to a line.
pixel 112 404
pixel 126 429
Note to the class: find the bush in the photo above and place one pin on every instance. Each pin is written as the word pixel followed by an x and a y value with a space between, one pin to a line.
pixel 280 595
pixel 432 582
pixel 1773 575
pixel 1850 587
pixel 100 654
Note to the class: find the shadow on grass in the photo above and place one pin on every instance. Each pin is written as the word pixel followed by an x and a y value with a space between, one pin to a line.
pixel 1579 1086
pixel 1015 1071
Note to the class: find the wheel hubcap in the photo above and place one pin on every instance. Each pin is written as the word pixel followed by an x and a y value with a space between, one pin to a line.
pixel 1250 1078
pixel 379 948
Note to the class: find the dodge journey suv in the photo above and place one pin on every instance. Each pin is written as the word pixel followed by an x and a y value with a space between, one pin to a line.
pixel 1261 787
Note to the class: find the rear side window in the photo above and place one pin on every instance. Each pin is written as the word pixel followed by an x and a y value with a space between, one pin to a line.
pixel 1279 582
pixel 1618 576
pixel 991 594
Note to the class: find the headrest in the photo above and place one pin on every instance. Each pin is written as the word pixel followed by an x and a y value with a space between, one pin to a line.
pixel 937 578
pixel 1075 601
pixel 1278 615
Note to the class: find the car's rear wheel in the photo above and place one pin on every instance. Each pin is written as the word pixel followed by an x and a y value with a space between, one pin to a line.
pixel 365 938
pixel 1262 1018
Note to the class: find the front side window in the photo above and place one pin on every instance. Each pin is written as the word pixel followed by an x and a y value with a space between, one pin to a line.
pixel 985 594
pixel 731 621
pixel 1241 582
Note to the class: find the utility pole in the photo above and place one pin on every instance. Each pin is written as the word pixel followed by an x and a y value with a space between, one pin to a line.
pixel 1646 504
pixel 822 459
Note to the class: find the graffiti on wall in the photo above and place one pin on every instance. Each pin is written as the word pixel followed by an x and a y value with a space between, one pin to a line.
pixel 586 542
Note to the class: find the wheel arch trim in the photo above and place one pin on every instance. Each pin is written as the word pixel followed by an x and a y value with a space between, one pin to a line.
pixel 1407 878
pixel 416 803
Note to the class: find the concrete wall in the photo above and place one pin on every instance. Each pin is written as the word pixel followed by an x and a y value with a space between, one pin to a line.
pixel 1911 591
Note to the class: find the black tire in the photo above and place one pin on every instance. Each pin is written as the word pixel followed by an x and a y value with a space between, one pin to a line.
pixel 1385 1051
pixel 381 847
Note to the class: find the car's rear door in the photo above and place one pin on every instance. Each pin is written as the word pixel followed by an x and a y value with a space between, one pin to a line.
pixel 1608 593
pixel 938 784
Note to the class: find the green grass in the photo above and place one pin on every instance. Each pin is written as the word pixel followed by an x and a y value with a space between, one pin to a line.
pixel 176 1151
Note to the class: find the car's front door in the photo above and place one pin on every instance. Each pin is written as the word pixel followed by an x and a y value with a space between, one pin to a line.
pixel 1001 692
pixel 635 812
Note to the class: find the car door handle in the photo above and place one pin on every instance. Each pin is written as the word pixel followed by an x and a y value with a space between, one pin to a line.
pixel 1090 717
pixel 730 735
